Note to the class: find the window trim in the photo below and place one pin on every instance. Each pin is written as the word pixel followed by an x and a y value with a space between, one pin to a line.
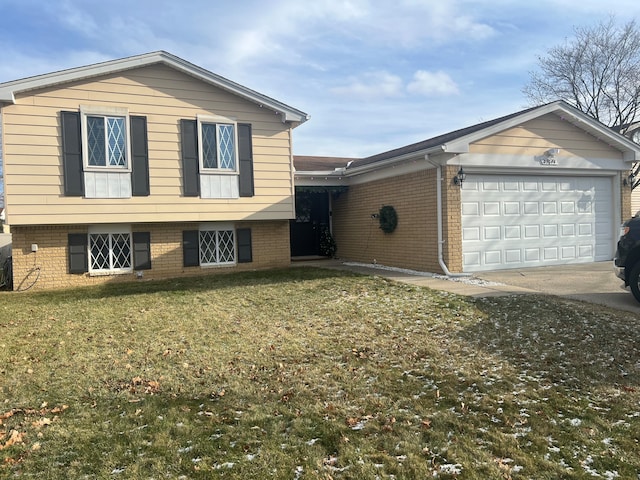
pixel 110 230
pixel 217 227
pixel 104 111
pixel 217 120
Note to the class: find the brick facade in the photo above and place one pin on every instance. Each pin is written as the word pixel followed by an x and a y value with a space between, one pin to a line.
pixel 414 243
pixel 270 249
pixel 625 197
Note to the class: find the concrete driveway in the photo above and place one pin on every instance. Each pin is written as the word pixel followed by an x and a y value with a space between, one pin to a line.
pixel 589 282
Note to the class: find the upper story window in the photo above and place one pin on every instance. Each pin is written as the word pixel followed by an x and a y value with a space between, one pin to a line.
pixel 104 153
pixel 106 139
pixel 217 138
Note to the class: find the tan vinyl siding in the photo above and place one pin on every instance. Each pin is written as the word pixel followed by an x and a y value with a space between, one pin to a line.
pixel 34 164
pixel 635 201
pixel 548 131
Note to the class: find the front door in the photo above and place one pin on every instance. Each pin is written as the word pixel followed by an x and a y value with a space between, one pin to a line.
pixel 312 220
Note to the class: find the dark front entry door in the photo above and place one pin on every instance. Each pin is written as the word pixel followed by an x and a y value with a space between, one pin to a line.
pixel 312 219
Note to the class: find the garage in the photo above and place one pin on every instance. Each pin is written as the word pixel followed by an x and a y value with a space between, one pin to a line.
pixel 514 221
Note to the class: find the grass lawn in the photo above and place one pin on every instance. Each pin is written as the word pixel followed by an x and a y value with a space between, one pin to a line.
pixel 310 373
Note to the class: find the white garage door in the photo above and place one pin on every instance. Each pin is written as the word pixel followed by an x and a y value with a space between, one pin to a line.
pixel 527 221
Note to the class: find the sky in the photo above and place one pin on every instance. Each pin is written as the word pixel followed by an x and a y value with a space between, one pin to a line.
pixel 373 75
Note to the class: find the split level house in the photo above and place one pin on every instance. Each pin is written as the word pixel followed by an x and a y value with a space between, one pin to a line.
pixel 152 167
pixel 144 167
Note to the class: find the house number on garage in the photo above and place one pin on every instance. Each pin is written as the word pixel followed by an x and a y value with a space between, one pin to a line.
pixel 548 161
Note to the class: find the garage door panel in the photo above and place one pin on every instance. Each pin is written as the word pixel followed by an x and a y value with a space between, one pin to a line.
pixel 550 254
pixel 550 231
pixel 585 229
pixel 586 251
pixel 491 208
pixel 532 231
pixel 568 230
pixel 471 208
pixel 531 208
pixel 492 233
pixel 511 208
pixel 493 257
pixel 511 221
pixel 512 232
pixel 512 256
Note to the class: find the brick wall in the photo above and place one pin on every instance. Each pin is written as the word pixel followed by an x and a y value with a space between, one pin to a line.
pixel 414 243
pixel 451 220
pixel 270 248
pixel 625 198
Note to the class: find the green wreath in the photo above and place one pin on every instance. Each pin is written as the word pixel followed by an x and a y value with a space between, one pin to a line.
pixel 388 218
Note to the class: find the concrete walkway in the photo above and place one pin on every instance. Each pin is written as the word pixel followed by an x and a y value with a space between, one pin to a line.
pixel 488 289
pixel 588 282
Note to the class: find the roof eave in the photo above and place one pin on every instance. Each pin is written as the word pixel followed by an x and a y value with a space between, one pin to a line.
pixel 9 89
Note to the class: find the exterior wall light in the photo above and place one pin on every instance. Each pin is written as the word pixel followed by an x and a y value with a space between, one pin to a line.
pixel 460 177
pixel 552 152
pixel 629 181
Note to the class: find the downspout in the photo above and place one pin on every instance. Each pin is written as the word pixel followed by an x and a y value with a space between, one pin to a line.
pixel 439 180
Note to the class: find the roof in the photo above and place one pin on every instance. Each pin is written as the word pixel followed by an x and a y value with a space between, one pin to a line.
pixel 8 90
pixel 458 141
pixel 304 163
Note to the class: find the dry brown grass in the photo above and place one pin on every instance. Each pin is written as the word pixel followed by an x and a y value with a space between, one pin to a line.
pixel 308 373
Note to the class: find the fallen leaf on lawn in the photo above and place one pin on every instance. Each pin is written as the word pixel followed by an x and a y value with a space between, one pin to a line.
pixel 14 438
pixel 42 422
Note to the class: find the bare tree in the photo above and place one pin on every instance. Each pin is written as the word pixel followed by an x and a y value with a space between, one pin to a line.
pixel 598 72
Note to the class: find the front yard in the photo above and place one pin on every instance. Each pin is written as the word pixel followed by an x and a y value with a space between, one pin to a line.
pixel 309 373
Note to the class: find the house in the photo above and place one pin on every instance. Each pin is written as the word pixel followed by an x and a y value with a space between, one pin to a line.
pixel 544 186
pixel 141 168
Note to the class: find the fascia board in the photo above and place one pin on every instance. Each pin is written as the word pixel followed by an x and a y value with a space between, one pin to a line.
pixel 419 155
pixel 9 89
pixel 631 151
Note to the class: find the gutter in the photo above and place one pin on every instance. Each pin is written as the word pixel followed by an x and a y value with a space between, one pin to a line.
pixel 439 180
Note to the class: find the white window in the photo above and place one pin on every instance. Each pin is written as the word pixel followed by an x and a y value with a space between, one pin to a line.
pixel 216 245
pixel 106 152
pixel 217 138
pixel 110 251
pixel 105 138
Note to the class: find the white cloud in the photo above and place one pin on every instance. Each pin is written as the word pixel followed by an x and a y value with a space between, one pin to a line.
pixel 371 86
pixel 432 83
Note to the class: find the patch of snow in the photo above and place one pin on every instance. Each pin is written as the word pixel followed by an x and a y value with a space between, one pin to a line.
pixel 451 468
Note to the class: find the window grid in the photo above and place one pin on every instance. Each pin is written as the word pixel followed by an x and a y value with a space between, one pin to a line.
pixel 218 146
pixel 110 252
pixel 227 150
pixel 209 146
pixel 106 138
pixel 217 247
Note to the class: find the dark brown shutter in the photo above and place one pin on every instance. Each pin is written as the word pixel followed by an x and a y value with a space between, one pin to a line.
pixel 140 157
pixel 244 245
pixel 245 154
pixel 78 261
pixel 190 251
pixel 141 251
pixel 72 154
pixel 190 169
